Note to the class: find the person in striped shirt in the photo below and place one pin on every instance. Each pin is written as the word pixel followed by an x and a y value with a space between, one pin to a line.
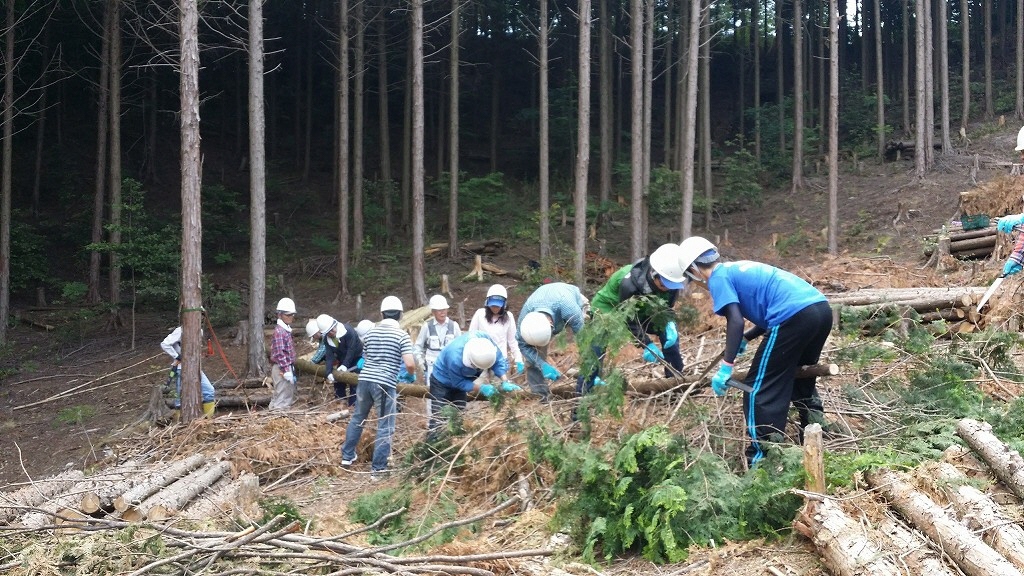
pixel 545 313
pixel 386 347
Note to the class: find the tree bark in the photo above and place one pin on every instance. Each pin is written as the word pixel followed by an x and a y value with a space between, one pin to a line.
pixel 582 166
pixel 1005 462
pixel 879 84
pixel 755 18
pixel 6 182
pixel 453 136
pixel 102 128
pixel 1019 108
pixel 156 481
pixel 780 75
pixel 847 547
pixel 257 363
pixel 648 109
pixel 965 74
pixel 418 200
pixel 226 497
pixel 168 502
pixel 798 98
pixel 905 79
pixel 12 504
pixel 636 188
pixel 912 549
pixel 344 178
pixel 963 547
pixel 688 118
pixel 920 113
pixel 943 66
pixel 833 126
pixel 987 27
pixel 544 135
pixel 115 157
pixel 704 101
pixel 358 136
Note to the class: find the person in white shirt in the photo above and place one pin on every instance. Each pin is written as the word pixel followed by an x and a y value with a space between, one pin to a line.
pixel 500 324
pixel 436 333
pixel 171 345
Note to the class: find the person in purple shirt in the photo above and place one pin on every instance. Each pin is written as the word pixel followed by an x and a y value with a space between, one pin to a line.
pixel 795 319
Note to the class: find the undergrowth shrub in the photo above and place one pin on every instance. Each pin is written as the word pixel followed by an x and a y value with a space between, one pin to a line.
pixel 371 507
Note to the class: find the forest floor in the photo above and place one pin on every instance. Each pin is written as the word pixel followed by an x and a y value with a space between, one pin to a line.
pixel 77 390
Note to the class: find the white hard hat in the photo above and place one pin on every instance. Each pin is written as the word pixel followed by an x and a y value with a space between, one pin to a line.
pixel 1020 140
pixel 535 328
pixel 497 290
pixel 286 305
pixel 480 352
pixel 363 327
pixel 391 303
pixel 325 324
pixel 696 249
pixel 665 261
pixel 312 328
pixel 438 302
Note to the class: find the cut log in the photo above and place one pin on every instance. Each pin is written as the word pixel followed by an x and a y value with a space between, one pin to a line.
pixel 814 463
pixel 244 401
pixel 167 502
pixel 48 512
pixel 977 510
pixel 947 315
pixel 32 495
pixel 498 271
pixel 247 383
pixel 1005 462
pixel 970 553
pixel 847 547
pixel 476 247
pixel 912 549
pixel 157 480
pixel 236 497
pixel 975 253
pixel 909 296
pixel 102 498
pixel 972 244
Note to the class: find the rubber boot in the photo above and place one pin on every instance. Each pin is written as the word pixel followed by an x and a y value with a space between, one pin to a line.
pixel 208 408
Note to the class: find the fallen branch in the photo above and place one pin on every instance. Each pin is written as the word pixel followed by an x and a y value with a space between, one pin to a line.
pixel 1005 462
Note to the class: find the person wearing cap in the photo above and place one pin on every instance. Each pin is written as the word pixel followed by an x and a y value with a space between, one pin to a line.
pixel 341 348
pixel 660 278
pixel 1007 224
pixel 282 357
pixel 171 345
pixel 794 317
pixel 436 333
pixel 498 322
pixel 456 370
pixel 386 347
pixel 546 313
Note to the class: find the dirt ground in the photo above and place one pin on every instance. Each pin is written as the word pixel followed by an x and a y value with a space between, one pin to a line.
pixel 104 380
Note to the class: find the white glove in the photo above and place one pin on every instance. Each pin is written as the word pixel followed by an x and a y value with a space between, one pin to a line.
pixel 343 368
pixel 330 378
pixel 289 376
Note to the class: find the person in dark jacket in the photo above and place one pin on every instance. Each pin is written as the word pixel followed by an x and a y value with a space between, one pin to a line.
pixel 341 349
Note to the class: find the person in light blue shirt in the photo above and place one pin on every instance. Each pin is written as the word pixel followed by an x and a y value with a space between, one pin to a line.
pixel 457 367
pixel 794 316
pixel 546 313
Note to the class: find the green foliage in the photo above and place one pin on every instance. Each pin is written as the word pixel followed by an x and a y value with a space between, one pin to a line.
pixel 926 440
pixel 664 198
pixel 225 225
pixel 28 262
pixel 989 347
pixel 72 292
pixel 371 507
pixel 741 187
pixel 149 251
pixel 224 307
pixel 279 505
pixel 652 493
pixel 842 468
pixel 75 414
pixel 483 204
pixel 943 387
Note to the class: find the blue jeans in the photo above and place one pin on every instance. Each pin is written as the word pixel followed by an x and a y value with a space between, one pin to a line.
pixel 367 396
pixel 204 385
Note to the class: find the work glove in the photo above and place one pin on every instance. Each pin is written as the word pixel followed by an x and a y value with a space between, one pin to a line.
pixel 289 376
pixel 360 364
pixel 1006 223
pixel 718 381
pixel 342 368
pixel 598 382
pixel 1011 267
pixel 520 368
pixel 509 387
pixel 330 378
pixel 652 353
pixel 549 371
pixel 671 335
pixel 486 390
pixel 742 347
pixel 405 376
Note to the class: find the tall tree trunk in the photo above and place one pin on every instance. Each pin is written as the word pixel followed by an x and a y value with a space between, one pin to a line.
pixel 343 148
pixel 152 126
pixel 407 140
pixel 453 137
pixel 582 144
pixel 308 134
pixel 780 76
pixel 741 68
pixel 879 84
pixel 929 88
pixel 987 15
pixel 798 97
pixel 383 116
pixel 115 159
pixel 545 198
pixel 607 107
pixel 102 129
pixel 669 67
pixel 6 185
pixel 41 120
pixel 755 19
pixel 833 123
pixel 704 77
pixel 648 109
pixel 965 31
pixel 416 155
pixel 1019 108
pixel 636 152
pixel 920 158
pixel 905 80
pixel 358 115
pixel 947 144
pixel 256 358
pixel 191 213
pixel 865 54
pixel 689 118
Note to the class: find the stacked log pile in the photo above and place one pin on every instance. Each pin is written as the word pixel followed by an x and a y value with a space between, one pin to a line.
pixel 955 305
pixel 194 488
pixel 931 521
pixel 962 244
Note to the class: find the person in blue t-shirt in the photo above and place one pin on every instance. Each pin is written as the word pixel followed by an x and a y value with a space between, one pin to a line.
pixel 797 320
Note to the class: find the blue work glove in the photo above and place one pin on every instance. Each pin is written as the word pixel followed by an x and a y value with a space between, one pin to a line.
pixel 520 368
pixel 598 382
pixel 742 347
pixel 360 364
pixel 405 376
pixel 549 371
pixel 1011 267
pixel 671 335
pixel 486 390
pixel 1006 223
pixel 509 387
pixel 718 381
pixel 652 353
